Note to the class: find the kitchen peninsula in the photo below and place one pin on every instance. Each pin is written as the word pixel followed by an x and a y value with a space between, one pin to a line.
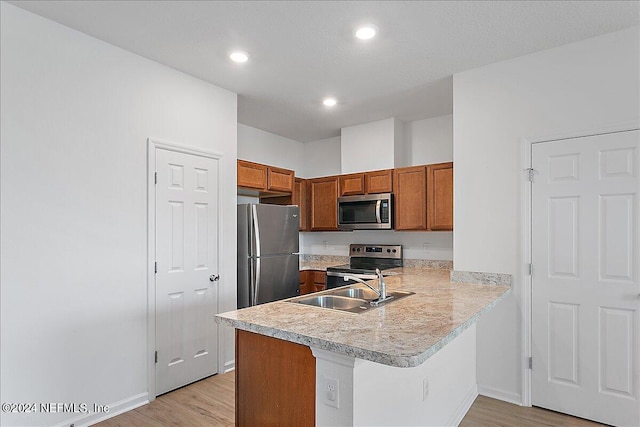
pixel 408 362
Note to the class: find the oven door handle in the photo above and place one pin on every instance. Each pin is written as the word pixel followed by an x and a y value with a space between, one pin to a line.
pixel 378 206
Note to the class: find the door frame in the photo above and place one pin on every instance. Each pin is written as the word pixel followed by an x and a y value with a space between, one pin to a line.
pixel 526 147
pixel 153 144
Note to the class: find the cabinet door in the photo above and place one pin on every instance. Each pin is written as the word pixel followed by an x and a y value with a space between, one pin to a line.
pixel 351 184
pixel 300 198
pixel 252 175
pixel 305 286
pixel 324 203
pixel 410 193
pixel 379 181
pixel 280 179
pixel 440 196
pixel 319 280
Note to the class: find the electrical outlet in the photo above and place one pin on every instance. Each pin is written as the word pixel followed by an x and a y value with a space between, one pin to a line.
pixel 425 388
pixel 324 244
pixel 425 247
pixel 331 392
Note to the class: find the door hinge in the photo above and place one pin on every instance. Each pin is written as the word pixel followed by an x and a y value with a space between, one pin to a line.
pixel 155 267
pixel 530 269
pixel 156 356
pixel 155 177
pixel 531 172
pixel 530 362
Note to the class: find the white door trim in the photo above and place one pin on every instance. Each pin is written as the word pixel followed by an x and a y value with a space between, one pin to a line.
pixel 154 144
pixel 526 147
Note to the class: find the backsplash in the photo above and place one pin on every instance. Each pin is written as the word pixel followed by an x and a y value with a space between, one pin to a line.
pixel 415 245
pixel 337 260
pixel 480 277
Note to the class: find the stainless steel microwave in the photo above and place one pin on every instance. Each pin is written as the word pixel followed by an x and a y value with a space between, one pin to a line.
pixel 367 212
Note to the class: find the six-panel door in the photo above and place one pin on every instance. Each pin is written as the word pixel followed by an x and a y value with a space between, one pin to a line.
pixel 585 284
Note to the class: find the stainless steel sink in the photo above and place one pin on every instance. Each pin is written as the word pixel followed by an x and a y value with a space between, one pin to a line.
pixel 352 299
pixel 334 302
pixel 361 293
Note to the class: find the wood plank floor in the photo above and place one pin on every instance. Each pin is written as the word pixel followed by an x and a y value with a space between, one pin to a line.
pixel 210 402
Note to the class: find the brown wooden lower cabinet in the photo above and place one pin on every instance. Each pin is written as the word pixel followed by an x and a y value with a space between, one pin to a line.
pixel 312 281
pixel 305 287
pixel 319 280
pixel 275 382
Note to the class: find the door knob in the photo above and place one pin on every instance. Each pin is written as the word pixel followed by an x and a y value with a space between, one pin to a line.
pixel 214 277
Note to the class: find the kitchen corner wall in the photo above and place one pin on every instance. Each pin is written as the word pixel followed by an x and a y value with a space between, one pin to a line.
pixel 585 86
pixel 76 114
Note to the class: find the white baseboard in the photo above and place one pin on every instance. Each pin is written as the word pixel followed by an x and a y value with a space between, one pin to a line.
pixel 117 408
pixel 463 407
pixel 495 393
pixel 229 366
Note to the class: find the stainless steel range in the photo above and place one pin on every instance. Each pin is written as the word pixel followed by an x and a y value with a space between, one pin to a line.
pixel 363 260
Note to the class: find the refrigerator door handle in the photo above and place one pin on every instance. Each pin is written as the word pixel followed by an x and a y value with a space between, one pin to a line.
pixel 256 281
pixel 256 231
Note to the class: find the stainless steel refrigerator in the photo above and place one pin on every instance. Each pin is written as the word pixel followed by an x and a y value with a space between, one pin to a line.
pixel 268 265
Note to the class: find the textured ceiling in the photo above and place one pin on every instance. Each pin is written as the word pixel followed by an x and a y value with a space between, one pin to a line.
pixel 302 51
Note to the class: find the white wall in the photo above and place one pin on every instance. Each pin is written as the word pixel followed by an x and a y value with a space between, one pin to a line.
pixel 588 85
pixel 264 147
pixel 429 141
pixel 372 146
pixel 76 114
pixel 322 158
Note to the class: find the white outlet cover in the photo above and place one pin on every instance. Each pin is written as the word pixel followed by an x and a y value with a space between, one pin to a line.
pixel 331 392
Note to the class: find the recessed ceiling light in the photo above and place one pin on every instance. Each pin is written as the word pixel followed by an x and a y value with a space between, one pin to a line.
pixel 329 102
pixel 239 56
pixel 366 32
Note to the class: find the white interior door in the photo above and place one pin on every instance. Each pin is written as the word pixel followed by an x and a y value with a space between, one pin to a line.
pixel 585 286
pixel 187 257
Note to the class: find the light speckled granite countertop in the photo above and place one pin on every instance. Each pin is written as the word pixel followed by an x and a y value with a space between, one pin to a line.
pixel 403 333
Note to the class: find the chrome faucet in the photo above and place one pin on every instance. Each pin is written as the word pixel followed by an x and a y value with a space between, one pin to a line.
pixel 382 286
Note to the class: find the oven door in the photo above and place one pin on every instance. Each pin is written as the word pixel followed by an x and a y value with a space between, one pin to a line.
pixel 370 212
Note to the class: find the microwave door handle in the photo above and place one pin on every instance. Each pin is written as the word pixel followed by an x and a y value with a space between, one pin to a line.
pixel 378 205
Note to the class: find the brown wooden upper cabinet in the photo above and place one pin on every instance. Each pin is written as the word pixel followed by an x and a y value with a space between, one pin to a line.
pixel 252 175
pixel 323 203
pixel 280 179
pixel 366 183
pixel 410 198
pixel 423 197
pixel 300 198
pixel 351 184
pixel 379 181
pixel 440 196
pixel 264 178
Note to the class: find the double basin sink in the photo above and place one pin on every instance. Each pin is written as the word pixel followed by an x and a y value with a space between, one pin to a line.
pixel 354 299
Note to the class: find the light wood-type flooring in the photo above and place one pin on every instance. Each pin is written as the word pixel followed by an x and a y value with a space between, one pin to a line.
pixel 210 402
